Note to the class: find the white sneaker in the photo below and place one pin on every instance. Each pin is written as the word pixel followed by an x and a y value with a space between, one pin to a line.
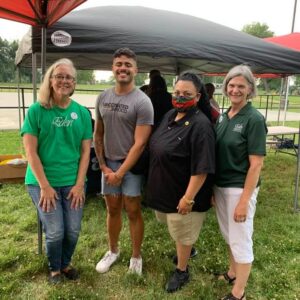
pixel 136 265
pixel 107 260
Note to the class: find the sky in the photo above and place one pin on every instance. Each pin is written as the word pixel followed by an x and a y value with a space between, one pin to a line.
pixel 277 14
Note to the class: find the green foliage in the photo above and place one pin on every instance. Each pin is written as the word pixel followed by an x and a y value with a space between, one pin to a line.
pixel 140 79
pixel 270 84
pixel 85 77
pixel 170 80
pixel 257 29
pixel 296 88
pixel 275 274
pixel 8 71
pixel 7 55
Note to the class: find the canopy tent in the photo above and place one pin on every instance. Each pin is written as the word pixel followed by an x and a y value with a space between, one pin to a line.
pixel 291 40
pixel 40 13
pixel 36 12
pixel 168 41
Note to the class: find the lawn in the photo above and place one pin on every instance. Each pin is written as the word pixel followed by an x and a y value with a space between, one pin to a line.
pixel 275 274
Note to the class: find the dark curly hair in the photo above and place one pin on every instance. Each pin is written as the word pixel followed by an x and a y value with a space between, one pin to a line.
pixel 126 52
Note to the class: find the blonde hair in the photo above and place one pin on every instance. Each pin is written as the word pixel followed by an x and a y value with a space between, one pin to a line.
pixel 240 70
pixel 46 90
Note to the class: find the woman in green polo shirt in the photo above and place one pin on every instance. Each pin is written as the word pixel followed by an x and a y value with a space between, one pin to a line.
pixel 240 150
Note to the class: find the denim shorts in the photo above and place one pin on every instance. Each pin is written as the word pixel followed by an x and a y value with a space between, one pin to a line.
pixel 131 184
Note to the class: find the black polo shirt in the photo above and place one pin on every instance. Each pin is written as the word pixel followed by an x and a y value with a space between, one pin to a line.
pixel 177 151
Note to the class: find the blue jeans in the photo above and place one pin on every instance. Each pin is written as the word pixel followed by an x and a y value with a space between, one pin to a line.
pixel 61 227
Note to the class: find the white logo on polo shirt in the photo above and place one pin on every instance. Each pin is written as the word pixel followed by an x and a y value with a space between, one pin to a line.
pixel 238 127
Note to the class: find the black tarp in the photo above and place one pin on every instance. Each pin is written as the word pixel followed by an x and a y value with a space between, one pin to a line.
pixel 168 41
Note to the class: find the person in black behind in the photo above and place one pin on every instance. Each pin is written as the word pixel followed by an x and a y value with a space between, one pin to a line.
pixel 182 164
pixel 93 185
pixel 160 97
pixel 152 74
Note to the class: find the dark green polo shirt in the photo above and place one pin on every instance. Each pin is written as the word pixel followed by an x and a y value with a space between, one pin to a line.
pixel 237 138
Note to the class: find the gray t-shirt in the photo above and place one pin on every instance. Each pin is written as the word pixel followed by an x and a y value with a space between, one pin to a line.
pixel 120 115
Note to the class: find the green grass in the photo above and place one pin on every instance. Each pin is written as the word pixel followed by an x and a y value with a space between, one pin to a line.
pixel 275 274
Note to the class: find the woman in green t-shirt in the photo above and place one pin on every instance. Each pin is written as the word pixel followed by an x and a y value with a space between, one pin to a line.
pixel 57 138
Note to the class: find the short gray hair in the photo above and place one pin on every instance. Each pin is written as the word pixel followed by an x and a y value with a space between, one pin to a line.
pixel 240 70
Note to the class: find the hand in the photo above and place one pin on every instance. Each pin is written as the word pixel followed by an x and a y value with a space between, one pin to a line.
pixel 113 179
pixel 183 208
pixel 77 196
pixel 48 199
pixel 240 212
pixel 105 169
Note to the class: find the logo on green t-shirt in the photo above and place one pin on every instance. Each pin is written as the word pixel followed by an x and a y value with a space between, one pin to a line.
pixel 64 121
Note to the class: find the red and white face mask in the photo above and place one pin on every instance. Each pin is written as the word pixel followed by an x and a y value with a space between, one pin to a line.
pixel 183 103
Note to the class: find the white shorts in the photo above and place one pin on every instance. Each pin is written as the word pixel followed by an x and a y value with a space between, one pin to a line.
pixel 183 228
pixel 237 235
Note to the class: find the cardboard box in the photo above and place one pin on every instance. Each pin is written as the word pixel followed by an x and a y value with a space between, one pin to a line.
pixel 12 173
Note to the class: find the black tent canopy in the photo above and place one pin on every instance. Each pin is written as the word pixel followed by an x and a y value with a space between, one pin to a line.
pixel 168 41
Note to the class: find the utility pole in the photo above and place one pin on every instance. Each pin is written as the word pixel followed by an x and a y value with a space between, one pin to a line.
pixel 294 16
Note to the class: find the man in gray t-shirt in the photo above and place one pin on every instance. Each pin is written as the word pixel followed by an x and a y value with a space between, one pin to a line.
pixel 124 116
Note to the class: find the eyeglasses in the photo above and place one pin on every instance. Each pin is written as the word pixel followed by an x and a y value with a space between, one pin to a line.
pixel 60 77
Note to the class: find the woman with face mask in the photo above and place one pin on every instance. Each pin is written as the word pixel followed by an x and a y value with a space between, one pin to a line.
pixel 182 163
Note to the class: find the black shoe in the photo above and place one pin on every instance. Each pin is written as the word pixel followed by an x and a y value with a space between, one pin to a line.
pixel 55 279
pixel 71 274
pixel 194 252
pixel 177 280
pixel 231 297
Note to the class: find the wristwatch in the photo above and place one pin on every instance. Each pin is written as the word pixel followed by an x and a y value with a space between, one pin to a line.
pixel 188 201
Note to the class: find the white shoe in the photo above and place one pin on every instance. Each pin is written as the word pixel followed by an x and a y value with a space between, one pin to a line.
pixel 107 260
pixel 136 265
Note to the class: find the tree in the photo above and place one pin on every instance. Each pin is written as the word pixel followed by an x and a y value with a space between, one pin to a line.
pixel 140 78
pixel 7 57
pixel 86 77
pixel 260 30
pixel 170 80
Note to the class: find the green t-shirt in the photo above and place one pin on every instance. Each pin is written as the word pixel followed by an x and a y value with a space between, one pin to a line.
pixel 59 133
pixel 237 138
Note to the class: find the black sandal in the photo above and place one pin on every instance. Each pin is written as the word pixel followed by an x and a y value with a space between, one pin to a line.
pixel 231 297
pixel 226 277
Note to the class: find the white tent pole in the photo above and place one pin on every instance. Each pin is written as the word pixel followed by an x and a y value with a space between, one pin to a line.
pixel 19 102
pixel 280 96
pixel 296 203
pixel 286 98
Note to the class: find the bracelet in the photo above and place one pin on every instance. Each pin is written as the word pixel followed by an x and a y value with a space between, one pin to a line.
pixel 188 201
